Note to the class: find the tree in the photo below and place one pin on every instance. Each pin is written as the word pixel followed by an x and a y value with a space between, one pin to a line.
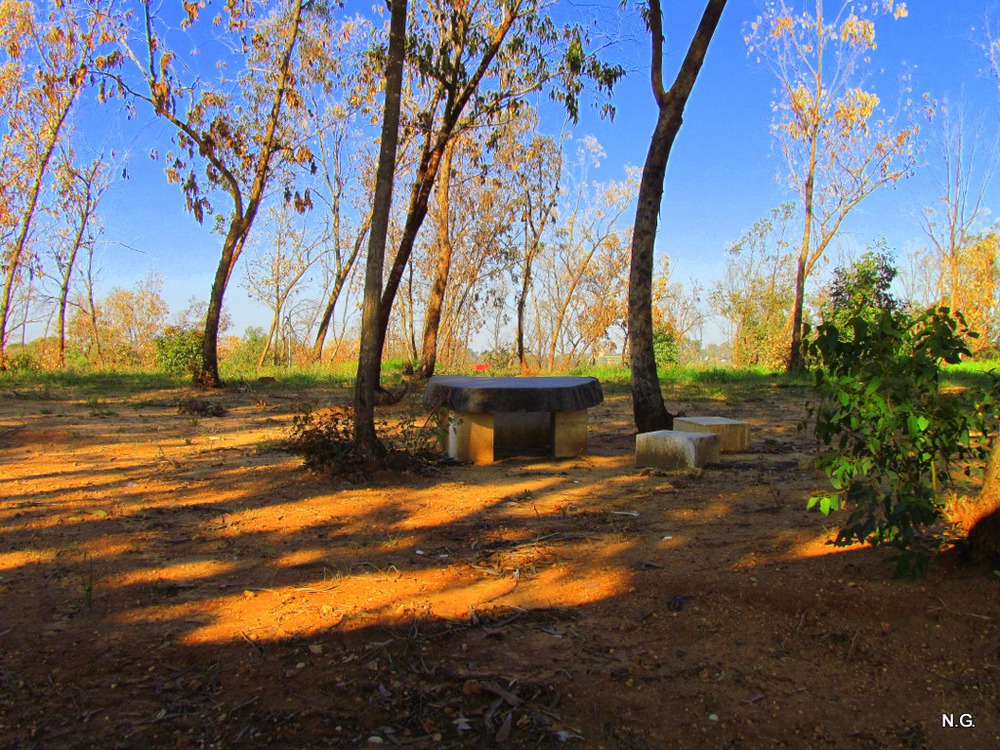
pixel 124 325
pixel 366 442
pixel 838 148
pixel 890 439
pixel 588 249
pixel 345 238
pixel 676 307
pixel 964 171
pixel 756 292
pixel 477 62
pixel 984 534
pixel 862 289
pixel 469 251
pixel 647 399
pixel 340 102
pixel 273 279
pixel 49 62
pixel 442 268
pixel 978 296
pixel 241 135
pixel 81 190
pixel 538 171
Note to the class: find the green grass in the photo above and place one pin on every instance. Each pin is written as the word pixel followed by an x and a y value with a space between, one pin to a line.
pixel 972 374
pixel 678 383
pixel 48 383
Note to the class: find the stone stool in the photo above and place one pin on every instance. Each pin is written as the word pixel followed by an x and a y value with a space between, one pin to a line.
pixel 734 435
pixel 676 449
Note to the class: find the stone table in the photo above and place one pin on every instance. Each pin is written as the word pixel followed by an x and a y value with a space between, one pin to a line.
pixel 487 417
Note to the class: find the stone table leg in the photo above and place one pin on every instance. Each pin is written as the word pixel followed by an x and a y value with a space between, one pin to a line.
pixel 470 437
pixel 569 433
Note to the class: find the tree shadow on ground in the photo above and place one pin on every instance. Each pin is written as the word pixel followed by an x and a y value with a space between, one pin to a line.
pixel 178 584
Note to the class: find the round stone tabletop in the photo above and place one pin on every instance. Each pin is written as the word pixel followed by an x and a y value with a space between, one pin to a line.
pixel 514 394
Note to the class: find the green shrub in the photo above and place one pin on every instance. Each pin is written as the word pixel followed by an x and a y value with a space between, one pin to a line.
pixel 861 289
pixel 666 350
pixel 20 362
pixel 890 438
pixel 178 351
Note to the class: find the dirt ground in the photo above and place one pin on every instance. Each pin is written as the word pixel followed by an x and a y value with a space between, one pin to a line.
pixel 171 580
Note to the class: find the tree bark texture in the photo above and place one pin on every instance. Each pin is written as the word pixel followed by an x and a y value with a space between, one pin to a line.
pixel 366 442
pixel 435 300
pixel 649 411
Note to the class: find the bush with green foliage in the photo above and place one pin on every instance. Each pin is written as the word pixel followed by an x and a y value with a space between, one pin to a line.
pixel 178 350
pixel 890 438
pixel 862 288
pixel 20 361
pixel 666 350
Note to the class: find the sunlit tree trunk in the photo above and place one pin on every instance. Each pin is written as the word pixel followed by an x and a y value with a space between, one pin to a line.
pixel 649 411
pixel 984 536
pixel 366 441
pixel 242 221
pixel 67 273
pixel 340 281
pixel 435 300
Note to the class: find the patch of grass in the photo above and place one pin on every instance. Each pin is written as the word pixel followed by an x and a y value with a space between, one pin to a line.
pixel 679 384
pixel 100 409
pixel 53 384
pixel 267 445
pixel 700 383
pixel 971 374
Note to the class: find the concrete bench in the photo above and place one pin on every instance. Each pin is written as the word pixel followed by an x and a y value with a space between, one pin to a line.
pixel 676 449
pixel 490 417
pixel 734 435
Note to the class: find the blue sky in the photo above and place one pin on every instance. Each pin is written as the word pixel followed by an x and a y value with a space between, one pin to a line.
pixel 723 172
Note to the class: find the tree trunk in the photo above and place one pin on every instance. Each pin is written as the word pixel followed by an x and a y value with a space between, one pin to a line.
pixel 366 442
pixel 575 277
pixel 990 494
pixel 271 336
pixel 648 408
pixel 435 300
pixel 209 377
pixel 343 273
pixel 15 257
pixel 417 212
pixel 796 362
pixel 532 246
pixel 984 536
pixel 427 171
pixel 64 287
pixel 239 227
pixel 522 301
